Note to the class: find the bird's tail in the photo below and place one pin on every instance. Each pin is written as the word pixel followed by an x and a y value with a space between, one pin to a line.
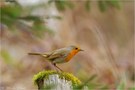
pixel 34 53
pixel 43 55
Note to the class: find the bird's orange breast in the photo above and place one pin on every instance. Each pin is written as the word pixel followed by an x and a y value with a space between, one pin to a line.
pixel 70 55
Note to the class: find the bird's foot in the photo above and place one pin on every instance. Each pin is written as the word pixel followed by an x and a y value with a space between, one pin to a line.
pixel 57 67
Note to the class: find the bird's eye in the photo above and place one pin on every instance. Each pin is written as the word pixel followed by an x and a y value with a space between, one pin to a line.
pixel 76 48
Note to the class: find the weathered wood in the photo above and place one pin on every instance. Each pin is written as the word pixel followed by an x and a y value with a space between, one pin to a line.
pixel 58 83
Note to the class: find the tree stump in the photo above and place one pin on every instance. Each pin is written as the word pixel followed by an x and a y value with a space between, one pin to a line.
pixel 53 80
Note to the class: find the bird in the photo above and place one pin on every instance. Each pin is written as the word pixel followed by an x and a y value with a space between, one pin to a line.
pixel 61 55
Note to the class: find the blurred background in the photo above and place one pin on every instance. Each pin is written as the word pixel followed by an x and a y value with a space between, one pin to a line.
pixel 104 29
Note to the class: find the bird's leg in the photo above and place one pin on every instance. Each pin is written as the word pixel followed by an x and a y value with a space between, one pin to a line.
pixel 57 66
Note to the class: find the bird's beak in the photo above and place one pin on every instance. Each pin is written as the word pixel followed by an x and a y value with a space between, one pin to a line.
pixel 81 50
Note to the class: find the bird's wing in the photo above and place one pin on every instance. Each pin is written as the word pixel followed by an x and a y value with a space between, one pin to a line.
pixel 58 54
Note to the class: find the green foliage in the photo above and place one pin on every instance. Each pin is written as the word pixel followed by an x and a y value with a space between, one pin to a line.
pixel 63 4
pixel 9 14
pixel 7 57
pixel 102 5
pixel 13 14
pixel 114 3
pixel 105 4
pixel 104 87
pixel 45 74
pixel 121 86
pixel 91 84
pixel 54 17
pixel 31 18
pixel 38 26
pixel 132 88
pixel 11 10
pixel 87 5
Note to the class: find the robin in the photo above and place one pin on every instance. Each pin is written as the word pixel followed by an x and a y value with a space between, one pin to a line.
pixel 62 55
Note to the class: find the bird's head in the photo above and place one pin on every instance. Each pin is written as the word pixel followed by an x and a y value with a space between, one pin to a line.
pixel 75 49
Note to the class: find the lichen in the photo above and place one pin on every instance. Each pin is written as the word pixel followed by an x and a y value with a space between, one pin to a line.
pixel 63 75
